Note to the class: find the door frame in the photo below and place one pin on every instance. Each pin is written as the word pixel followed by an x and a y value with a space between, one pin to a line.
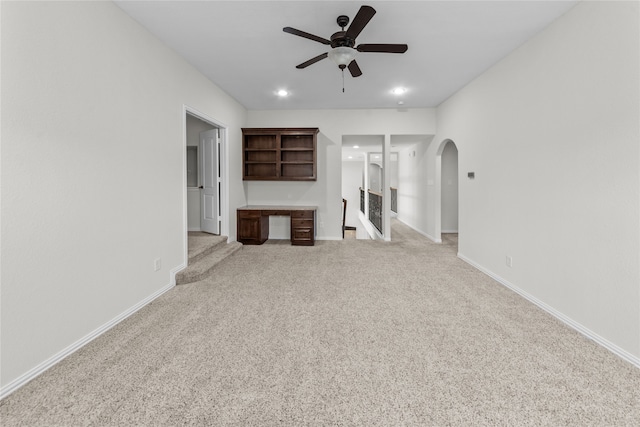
pixel 224 174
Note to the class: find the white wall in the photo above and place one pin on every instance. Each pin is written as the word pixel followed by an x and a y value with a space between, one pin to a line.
pixel 351 182
pixel 449 189
pixel 393 170
pixel 333 124
pixel 193 209
pixel 375 177
pixel 414 186
pixel 93 183
pixel 552 134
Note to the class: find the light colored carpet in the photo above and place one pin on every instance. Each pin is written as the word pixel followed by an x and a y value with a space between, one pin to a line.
pixel 206 252
pixel 349 333
pixel 199 241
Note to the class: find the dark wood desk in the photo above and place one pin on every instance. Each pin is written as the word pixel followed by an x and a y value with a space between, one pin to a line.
pixel 253 223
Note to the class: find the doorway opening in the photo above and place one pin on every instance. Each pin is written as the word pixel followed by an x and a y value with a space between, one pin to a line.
pixel 205 176
pixel 361 177
pixel 447 157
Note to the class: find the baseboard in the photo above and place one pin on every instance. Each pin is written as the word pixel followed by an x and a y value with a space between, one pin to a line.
pixel 448 231
pixel 194 229
pixel 613 348
pixel 174 271
pixel 369 227
pixel 433 239
pixel 33 373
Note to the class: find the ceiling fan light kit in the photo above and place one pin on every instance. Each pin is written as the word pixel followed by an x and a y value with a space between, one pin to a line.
pixel 342 55
pixel 343 43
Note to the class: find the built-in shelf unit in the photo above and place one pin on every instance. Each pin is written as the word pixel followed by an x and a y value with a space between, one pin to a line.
pixel 279 154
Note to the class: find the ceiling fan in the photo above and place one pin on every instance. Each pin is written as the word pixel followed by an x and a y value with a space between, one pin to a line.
pixel 343 43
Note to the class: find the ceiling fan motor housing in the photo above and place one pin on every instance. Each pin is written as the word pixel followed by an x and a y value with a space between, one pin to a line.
pixel 340 39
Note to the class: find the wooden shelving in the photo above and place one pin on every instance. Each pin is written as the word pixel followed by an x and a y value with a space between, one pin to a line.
pixel 279 154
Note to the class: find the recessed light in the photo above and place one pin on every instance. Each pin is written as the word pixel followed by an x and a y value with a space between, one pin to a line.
pixel 398 91
pixel 282 92
pixel 351 157
pixel 356 146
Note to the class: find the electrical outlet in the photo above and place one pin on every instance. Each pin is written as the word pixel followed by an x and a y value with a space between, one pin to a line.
pixel 509 261
pixel 157 264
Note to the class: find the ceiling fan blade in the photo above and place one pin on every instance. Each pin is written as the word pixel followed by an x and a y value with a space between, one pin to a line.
pixel 382 48
pixel 305 35
pixel 360 21
pixel 354 69
pixel 312 61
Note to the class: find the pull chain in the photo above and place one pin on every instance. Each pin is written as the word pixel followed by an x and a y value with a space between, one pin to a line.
pixel 343 80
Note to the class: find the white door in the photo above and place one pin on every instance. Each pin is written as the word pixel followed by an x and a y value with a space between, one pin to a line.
pixel 210 190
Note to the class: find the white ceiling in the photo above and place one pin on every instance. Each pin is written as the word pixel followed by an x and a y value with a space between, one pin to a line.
pixel 241 47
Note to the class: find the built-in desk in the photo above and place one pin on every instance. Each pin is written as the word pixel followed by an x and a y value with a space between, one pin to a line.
pixel 253 223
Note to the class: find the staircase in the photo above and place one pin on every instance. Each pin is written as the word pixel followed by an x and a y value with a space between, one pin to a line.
pixel 206 251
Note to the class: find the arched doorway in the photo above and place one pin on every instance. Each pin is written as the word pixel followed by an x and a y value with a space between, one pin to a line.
pixel 447 200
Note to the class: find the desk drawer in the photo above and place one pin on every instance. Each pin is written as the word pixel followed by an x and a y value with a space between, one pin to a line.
pixel 249 213
pixel 302 214
pixel 301 223
pixel 302 236
pixel 302 228
pixel 275 212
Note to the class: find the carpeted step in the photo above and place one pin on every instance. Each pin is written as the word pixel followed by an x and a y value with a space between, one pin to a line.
pixel 206 261
pixel 201 245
